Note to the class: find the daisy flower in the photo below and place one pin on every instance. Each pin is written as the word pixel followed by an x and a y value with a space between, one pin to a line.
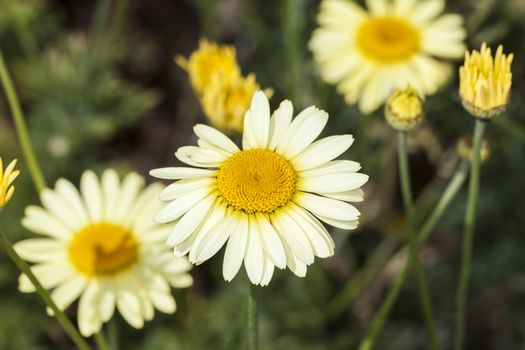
pixel 101 246
pixel 370 53
pixel 6 182
pixel 263 202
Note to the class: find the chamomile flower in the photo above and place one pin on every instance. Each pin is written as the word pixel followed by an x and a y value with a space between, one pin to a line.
pixel 263 202
pixel 102 247
pixel 369 53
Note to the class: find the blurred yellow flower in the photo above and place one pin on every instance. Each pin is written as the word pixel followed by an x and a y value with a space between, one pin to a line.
pixel 224 93
pixel 226 101
pixel 485 82
pixel 7 177
pixel 370 53
pixel 404 109
pixel 210 61
pixel 464 149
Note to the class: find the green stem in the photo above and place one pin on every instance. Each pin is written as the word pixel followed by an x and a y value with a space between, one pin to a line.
pixel 292 18
pixel 113 334
pixel 21 128
pixel 361 278
pixel 468 235
pixel 252 319
pixel 101 341
pixel 59 314
pixel 446 198
pixel 406 191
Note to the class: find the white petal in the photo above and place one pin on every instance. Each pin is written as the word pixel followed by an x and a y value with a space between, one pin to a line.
pixel 235 249
pixel 202 157
pixel 344 224
pixel 347 196
pixel 279 123
pixel 254 257
pixel 176 173
pixel 181 187
pixel 321 242
pixel 70 195
pixel 303 130
pixel 258 120
pixel 106 302
pixel 48 274
pixel 131 187
pixel 215 239
pixel 331 183
pixel 130 307
pixel 190 221
pixel 332 167
pixel 144 209
pixel 41 250
pixel 293 236
pixel 216 216
pixel 40 221
pixel 111 191
pixel 59 208
pixel 267 272
pixel 68 292
pixel 327 207
pixel 272 244
pixel 180 206
pixel 378 7
pixel 322 151
pixel 216 138
pixel 88 320
pixel 92 194
pixel 163 301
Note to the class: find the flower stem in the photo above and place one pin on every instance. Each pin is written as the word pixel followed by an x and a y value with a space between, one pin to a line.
pixel 59 314
pixel 101 341
pixel 406 191
pixel 468 235
pixel 446 198
pixel 21 128
pixel 252 319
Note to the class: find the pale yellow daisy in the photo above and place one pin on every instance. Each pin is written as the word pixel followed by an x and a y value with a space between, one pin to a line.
pixel 102 247
pixel 370 53
pixel 7 178
pixel 263 202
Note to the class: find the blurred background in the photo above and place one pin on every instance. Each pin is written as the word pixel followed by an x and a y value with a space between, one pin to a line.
pixel 100 89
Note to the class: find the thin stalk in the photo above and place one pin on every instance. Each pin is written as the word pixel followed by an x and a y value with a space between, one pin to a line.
pixel 113 335
pixel 446 198
pixel 253 343
pixel 101 341
pixel 468 235
pixel 21 128
pixel 64 321
pixel 292 19
pixel 361 278
pixel 406 191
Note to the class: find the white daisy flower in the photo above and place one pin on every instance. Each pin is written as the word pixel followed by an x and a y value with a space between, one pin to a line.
pixel 102 246
pixel 369 54
pixel 263 202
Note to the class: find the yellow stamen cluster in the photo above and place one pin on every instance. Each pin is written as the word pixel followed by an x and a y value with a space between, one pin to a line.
pixel 387 39
pixel 225 94
pixel 464 149
pixel 485 82
pixel 404 109
pixel 103 249
pixel 7 177
pixel 256 180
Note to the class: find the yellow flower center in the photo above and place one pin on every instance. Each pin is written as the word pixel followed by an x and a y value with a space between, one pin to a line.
pixel 387 39
pixel 256 180
pixel 103 249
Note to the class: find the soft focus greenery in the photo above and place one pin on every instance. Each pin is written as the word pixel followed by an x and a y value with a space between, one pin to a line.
pixel 99 88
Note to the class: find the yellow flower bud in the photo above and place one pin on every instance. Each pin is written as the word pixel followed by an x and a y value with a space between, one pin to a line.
pixel 7 177
pixel 485 82
pixel 464 149
pixel 404 109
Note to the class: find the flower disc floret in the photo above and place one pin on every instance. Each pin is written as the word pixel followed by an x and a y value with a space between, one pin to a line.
pixel 256 180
